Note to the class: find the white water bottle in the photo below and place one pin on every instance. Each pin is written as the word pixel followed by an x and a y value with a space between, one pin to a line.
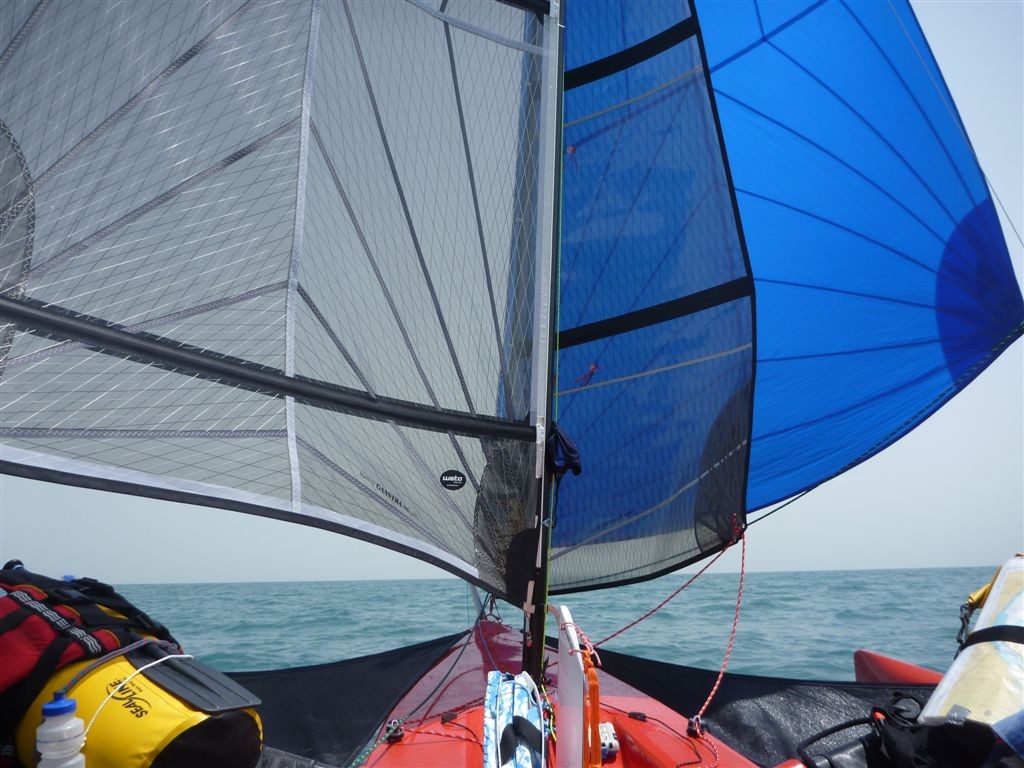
pixel 60 738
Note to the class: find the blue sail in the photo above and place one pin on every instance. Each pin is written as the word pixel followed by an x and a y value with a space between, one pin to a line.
pixel 836 175
pixel 883 282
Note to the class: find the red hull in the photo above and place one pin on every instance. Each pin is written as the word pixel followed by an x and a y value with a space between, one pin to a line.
pixel 657 738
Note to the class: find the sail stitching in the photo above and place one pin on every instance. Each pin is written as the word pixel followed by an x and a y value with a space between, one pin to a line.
pixel 428 281
pixel 475 30
pixel 144 95
pixel 956 120
pixel 191 182
pixel 369 493
pixel 410 449
pixel 23 33
pixel 476 211
pixel 388 297
pixel 625 218
pixel 954 270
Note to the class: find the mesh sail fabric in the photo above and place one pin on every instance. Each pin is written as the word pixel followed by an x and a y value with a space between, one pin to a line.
pixel 335 195
pixel 883 281
pixel 656 331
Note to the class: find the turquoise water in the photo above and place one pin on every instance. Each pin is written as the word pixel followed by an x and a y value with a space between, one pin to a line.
pixel 804 624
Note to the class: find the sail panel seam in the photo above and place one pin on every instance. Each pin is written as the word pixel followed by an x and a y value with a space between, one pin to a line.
pixel 659 313
pixel 77 248
pixel 50 321
pixel 23 33
pixel 407 212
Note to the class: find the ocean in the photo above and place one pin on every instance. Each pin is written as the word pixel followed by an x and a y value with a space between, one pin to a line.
pixel 799 624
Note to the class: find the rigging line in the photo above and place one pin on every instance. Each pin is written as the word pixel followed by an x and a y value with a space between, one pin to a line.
pixel 696 721
pixel 666 601
pixel 913 97
pixel 191 182
pixel 630 519
pixel 853 170
pixel 406 212
pixel 476 209
pixel 396 724
pixel 781 506
pixel 183 314
pixel 872 128
pixel 23 33
pixel 656 371
pixel 465 26
pixel 626 216
pixel 956 119
pixel 646 94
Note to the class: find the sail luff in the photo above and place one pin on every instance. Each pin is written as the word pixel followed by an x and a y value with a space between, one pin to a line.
pixel 295 255
pixel 545 324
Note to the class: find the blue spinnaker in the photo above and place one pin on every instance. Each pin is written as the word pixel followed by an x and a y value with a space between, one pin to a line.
pixel 831 171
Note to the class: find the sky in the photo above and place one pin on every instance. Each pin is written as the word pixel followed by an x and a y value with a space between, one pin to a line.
pixel 951 493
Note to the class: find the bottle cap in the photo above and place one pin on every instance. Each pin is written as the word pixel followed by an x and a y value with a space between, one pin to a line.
pixel 61 705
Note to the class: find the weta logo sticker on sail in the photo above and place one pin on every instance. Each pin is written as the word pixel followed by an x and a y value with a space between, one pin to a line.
pixel 452 479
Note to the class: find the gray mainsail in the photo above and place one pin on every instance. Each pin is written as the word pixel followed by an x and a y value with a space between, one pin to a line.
pixel 278 257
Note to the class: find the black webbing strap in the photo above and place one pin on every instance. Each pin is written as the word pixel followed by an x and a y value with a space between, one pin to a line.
pixel 61 624
pixel 1002 633
pixel 16 700
pixel 14 618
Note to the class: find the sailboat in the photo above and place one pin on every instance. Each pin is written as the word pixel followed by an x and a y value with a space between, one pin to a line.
pixel 553 296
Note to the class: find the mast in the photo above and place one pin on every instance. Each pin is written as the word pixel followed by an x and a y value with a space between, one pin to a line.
pixel 545 327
